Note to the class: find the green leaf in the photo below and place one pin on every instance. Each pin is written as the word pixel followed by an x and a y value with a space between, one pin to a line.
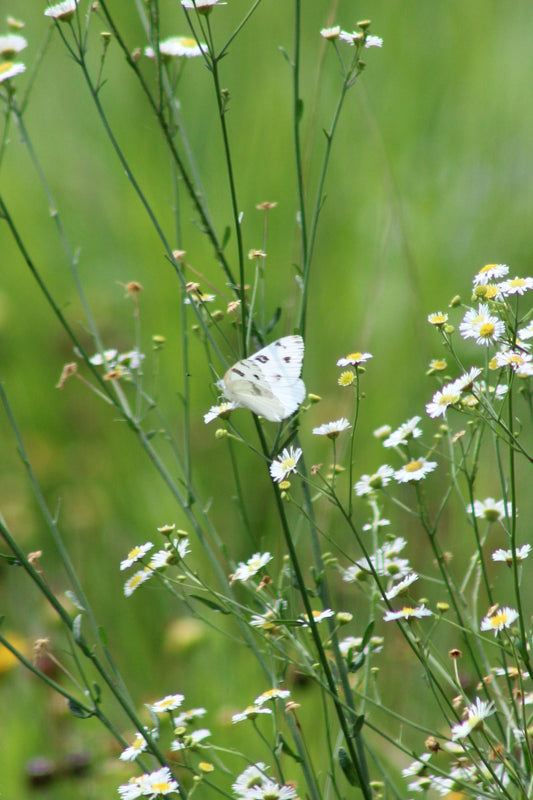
pixel 347 767
pixel 283 747
pixel 211 604
pixel 357 725
pixel 226 237
pixel 78 710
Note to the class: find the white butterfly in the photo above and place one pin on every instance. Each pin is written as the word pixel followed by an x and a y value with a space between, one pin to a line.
pixel 268 383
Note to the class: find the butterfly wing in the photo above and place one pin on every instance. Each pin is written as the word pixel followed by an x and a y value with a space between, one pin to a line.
pixel 268 382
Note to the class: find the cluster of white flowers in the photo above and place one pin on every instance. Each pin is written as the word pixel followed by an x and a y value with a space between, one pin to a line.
pixel 173 552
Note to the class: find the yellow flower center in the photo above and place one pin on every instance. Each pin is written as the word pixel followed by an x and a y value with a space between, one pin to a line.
pixel 413 466
pixel 346 379
pixel 6 67
pixel 499 619
pixel 491 291
pixel 486 330
pixel 486 268
pixel 517 282
pixel 448 399
pixel 354 356
pixel 186 41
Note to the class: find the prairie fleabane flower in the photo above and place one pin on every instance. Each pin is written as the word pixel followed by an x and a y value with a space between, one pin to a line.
pixel 252 776
pixel 476 713
pixel 449 395
pixel 506 555
pixel 370 483
pixel 490 509
pixel 202 6
pixel 135 581
pixel 222 410
pixel 138 746
pixel 158 783
pixel 270 790
pixel 408 430
pixel 373 41
pixel 251 567
pixel 402 586
pixel 177 47
pixel 318 616
pixel 501 619
pixel 346 378
pixel 168 703
pixel 185 717
pixel 438 364
pixel 285 463
pixel 135 554
pixel 351 38
pixel 527 332
pixel 9 70
pixel 332 429
pixel 438 319
pixel 516 359
pixel 189 740
pixel 417 767
pixel 251 712
pixel 489 273
pixel 331 33
pixel 515 286
pixel 482 326
pixel 415 470
pixel 408 613
pixel 62 11
pixel 11 44
pixel 352 359
pixel 271 694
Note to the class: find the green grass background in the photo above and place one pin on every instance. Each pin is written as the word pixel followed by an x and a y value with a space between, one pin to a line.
pixel 431 178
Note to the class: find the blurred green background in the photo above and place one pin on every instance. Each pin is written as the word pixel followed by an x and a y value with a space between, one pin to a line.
pixel 430 179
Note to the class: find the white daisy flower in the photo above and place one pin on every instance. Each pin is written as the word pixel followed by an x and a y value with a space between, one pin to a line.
pixel 415 470
pixel 408 613
pixel 135 581
pixel 501 619
pixel 352 645
pixel 135 554
pixel 11 44
pixel 139 746
pixel 490 509
pixel 525 371
pixel 190 740
pixel 490 272
pixel 271 694
pixel 252 566
pixel 521 553
pixel 318 616
pixel 161 559
pixel 178 46
pixel 370 483
pixel 250 713
pixel 131 790
pixel 202 6
pixel 169 703
pixel 482 326
pixel 181 546
pixel 9 70
pixel 402 586
pixel 417 767
pixel 270 790
pixel 254 775
pixel 222 410
pixel 476 713
pixel 401 435
pixel 527 332
pixel 332 429
pixel 285 463
pixel 331 33
pixel 107 359
pixel 373 41
pixel 159 782
pixel 438 319
pixel 448 396
pixel 467 380
pixel 515 286
pixel 516 359
pixel 132 359
pixel 185 717
pixel 351 39
pixel 353 359
pixel 62 11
